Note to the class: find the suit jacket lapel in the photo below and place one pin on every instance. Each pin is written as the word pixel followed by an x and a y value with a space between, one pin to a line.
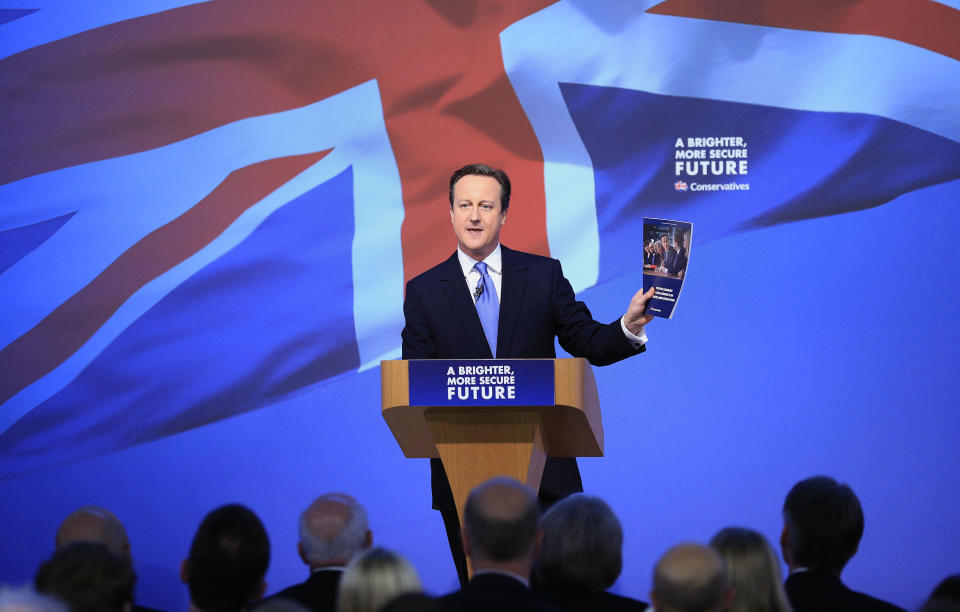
pixel 513 283
pixel 458 296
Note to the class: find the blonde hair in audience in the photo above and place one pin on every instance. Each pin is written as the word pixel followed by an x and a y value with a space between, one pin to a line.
pixel 754 571
pixel 373 579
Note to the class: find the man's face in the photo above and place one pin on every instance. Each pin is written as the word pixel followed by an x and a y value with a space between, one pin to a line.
pixel 665 242
pixel 477 215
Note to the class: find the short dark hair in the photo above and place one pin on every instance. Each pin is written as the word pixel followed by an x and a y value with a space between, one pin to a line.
pixel 88 577
pixel 228 559
pixel 484 170
pixel 581 546
pixel 500 539
pixel 949 588
pixel 824 521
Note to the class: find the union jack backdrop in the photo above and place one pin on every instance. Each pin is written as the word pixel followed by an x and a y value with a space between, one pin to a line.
pixel 209 208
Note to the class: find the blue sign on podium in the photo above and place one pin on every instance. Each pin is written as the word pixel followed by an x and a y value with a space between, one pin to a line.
pixel 481 382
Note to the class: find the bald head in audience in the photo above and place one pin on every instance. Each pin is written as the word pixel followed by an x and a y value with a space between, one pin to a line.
pixel 94 524
pixel 500 530
pixel 333 529
pixel 691 578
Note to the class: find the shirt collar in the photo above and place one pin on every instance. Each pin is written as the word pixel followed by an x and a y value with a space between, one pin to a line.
pixel 502 572
pixel 494 261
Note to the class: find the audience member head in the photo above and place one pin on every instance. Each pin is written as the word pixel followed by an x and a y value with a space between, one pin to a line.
pixel 333 529
pixel 581 545
pixel 823 523
pixel 94 524
pixel 500 526
pixel 27 600
pixel 945 597
pixel 228 560
pixel 373 579
pixel 754 571
pixel 949 588
pixel 88 577
pixel 691 578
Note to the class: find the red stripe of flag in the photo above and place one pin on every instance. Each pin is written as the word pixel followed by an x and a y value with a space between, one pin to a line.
pixel 147 82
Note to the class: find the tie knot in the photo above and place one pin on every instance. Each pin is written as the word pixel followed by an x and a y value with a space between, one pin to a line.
pixel 481 268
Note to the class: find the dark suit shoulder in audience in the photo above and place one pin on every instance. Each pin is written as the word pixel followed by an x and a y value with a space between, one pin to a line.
pixel 494 592
pixel 319 592
pixel 588 601
pixel 415 602
pixel 819 591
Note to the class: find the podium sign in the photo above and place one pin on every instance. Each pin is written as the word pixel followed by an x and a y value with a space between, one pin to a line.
pixel 482 382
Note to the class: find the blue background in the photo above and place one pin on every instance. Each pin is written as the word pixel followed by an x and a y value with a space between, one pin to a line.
pixel 817 332
pixel 802 367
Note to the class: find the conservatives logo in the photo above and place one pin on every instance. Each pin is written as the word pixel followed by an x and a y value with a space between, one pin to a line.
pixel 680 186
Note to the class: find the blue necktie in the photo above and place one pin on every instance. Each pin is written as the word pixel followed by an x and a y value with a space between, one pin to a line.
pixel 488 307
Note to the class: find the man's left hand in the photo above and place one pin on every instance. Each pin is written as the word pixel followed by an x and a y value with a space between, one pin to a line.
pixel 636 318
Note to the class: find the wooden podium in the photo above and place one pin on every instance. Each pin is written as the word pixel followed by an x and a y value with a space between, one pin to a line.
pixel 477 443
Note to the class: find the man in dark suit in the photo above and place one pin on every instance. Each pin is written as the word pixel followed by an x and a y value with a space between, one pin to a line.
pixel 823 523
pixel 533 304
pixel 501 537
pixel 678 263
pixel 668 252
pixel 333 529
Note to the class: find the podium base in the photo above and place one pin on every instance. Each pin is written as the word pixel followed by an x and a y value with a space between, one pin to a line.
pixel 475 447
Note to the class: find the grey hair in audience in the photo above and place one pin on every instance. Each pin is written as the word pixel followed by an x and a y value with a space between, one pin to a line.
pixel 88 577
pixel 373 579
pixel 322 541
pixel 754 570
pixel 27 600
pixel 581 547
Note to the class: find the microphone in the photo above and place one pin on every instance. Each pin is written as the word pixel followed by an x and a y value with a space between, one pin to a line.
pixel 478 291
